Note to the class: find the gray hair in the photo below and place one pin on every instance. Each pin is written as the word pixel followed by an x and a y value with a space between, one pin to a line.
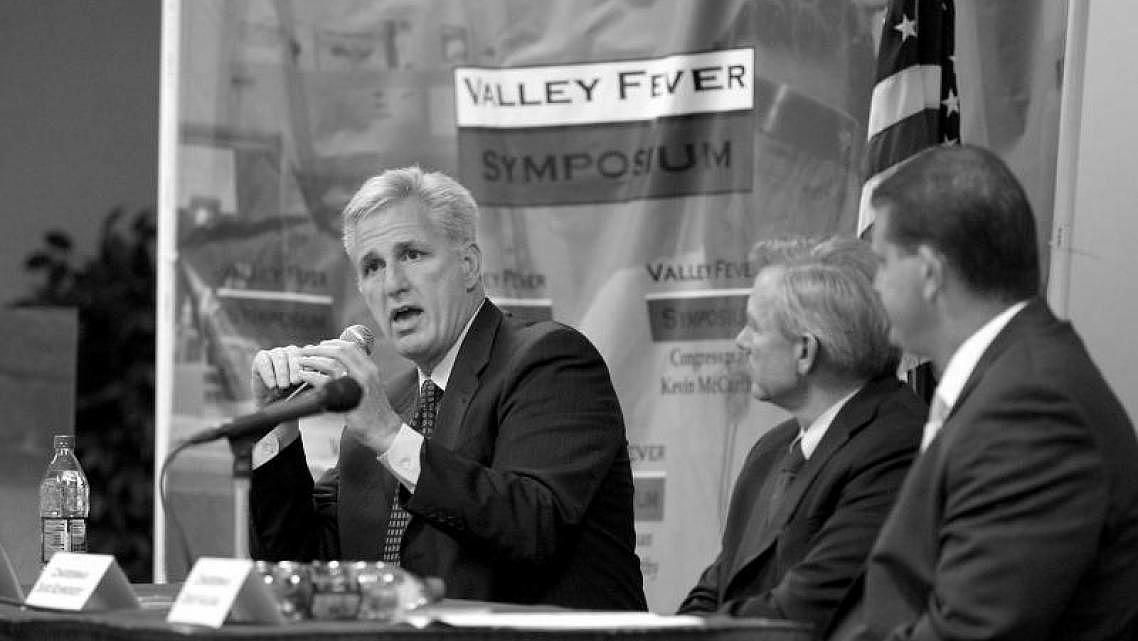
pixel 450 206
pixel 775 251
pixel 825 289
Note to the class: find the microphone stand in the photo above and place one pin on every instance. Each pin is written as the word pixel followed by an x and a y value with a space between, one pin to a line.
pixel 242 449
pixel 339 395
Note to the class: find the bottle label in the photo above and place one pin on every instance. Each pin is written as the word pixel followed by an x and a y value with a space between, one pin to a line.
pixel 77 535
pixel 62 535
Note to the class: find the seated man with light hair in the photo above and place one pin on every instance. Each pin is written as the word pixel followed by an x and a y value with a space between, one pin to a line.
pixel 814 489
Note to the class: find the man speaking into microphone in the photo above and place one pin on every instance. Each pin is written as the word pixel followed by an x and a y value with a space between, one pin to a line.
pixel 499 463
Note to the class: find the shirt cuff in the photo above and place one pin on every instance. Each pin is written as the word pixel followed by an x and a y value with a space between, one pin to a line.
pixel 272 443
pixel 402 458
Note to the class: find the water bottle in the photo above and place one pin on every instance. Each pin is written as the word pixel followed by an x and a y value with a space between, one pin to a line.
pixel 64 502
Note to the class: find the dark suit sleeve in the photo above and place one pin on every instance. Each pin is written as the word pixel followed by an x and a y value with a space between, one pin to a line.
pixel 1025 507
pixel 812 589
pixel 292 517
pixel 559 429
pixel 704 597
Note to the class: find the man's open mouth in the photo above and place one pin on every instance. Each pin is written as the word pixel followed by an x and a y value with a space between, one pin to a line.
pixel 405 313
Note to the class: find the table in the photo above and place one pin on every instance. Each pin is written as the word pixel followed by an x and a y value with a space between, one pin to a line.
pixel 149 623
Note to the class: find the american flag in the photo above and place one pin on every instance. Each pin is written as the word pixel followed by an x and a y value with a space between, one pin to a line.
pixel 915 102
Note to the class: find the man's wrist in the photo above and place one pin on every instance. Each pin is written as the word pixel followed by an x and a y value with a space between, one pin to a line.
pixel 380 440
pixel 402 458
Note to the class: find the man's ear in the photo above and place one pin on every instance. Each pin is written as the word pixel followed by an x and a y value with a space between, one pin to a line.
pixel 807 353
pixel 934 270
pixel 471 257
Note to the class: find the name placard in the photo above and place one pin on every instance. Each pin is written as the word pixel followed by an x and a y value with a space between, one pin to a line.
pixel 217 589
pixel 72 581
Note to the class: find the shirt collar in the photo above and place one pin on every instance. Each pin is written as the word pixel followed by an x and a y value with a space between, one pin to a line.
pixel 964 359
pixel 812 435
pixel 441 374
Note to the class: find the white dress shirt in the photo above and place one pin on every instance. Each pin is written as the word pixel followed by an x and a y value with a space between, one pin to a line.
pixel 959 369
pixel 812 435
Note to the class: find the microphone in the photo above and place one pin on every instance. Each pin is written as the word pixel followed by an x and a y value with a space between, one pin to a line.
pixel 359 334
pixel 339 395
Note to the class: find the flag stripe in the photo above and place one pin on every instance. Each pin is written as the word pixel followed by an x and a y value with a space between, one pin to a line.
pixel 903 94
pixel 914 104
pixel 902 140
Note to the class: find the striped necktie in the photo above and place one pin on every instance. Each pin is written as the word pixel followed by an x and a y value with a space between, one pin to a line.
pixel 423 422
pixel 789 467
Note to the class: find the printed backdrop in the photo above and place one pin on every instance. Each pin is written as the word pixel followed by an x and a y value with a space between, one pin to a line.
pixel 626 155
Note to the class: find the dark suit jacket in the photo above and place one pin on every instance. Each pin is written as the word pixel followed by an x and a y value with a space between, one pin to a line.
pixel 801 567
pixel 525 493
pixel 1020 521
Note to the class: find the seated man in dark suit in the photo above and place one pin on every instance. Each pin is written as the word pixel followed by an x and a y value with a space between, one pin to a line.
pixel 1019 520
pixel 515 487
pixel 814 490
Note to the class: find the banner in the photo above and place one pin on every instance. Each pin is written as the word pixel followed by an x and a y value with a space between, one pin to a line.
pixel 626 156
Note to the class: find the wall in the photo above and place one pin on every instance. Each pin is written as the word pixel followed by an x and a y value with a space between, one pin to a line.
pixel 78 121
pixel 78 136
pixel 1099 149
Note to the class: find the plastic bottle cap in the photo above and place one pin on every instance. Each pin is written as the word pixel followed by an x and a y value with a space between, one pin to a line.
pixel 63 440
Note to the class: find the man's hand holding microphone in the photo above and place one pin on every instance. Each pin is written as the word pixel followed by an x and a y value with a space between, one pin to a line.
pixel 283 372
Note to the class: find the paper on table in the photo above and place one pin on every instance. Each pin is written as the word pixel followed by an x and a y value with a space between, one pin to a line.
pixel 565 620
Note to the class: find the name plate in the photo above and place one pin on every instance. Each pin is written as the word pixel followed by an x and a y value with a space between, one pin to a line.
pixel 217 589
pixel 73 581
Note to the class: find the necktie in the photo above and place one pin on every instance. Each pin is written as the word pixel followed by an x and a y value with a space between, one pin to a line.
pixel 938 412
pixel 791 463
pixel 423 421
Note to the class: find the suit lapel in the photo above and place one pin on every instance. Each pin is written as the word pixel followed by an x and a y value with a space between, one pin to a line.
pixel 472 357
pixel 855 415
pixel 1035 313
pixel 756 537
pixel 468 365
